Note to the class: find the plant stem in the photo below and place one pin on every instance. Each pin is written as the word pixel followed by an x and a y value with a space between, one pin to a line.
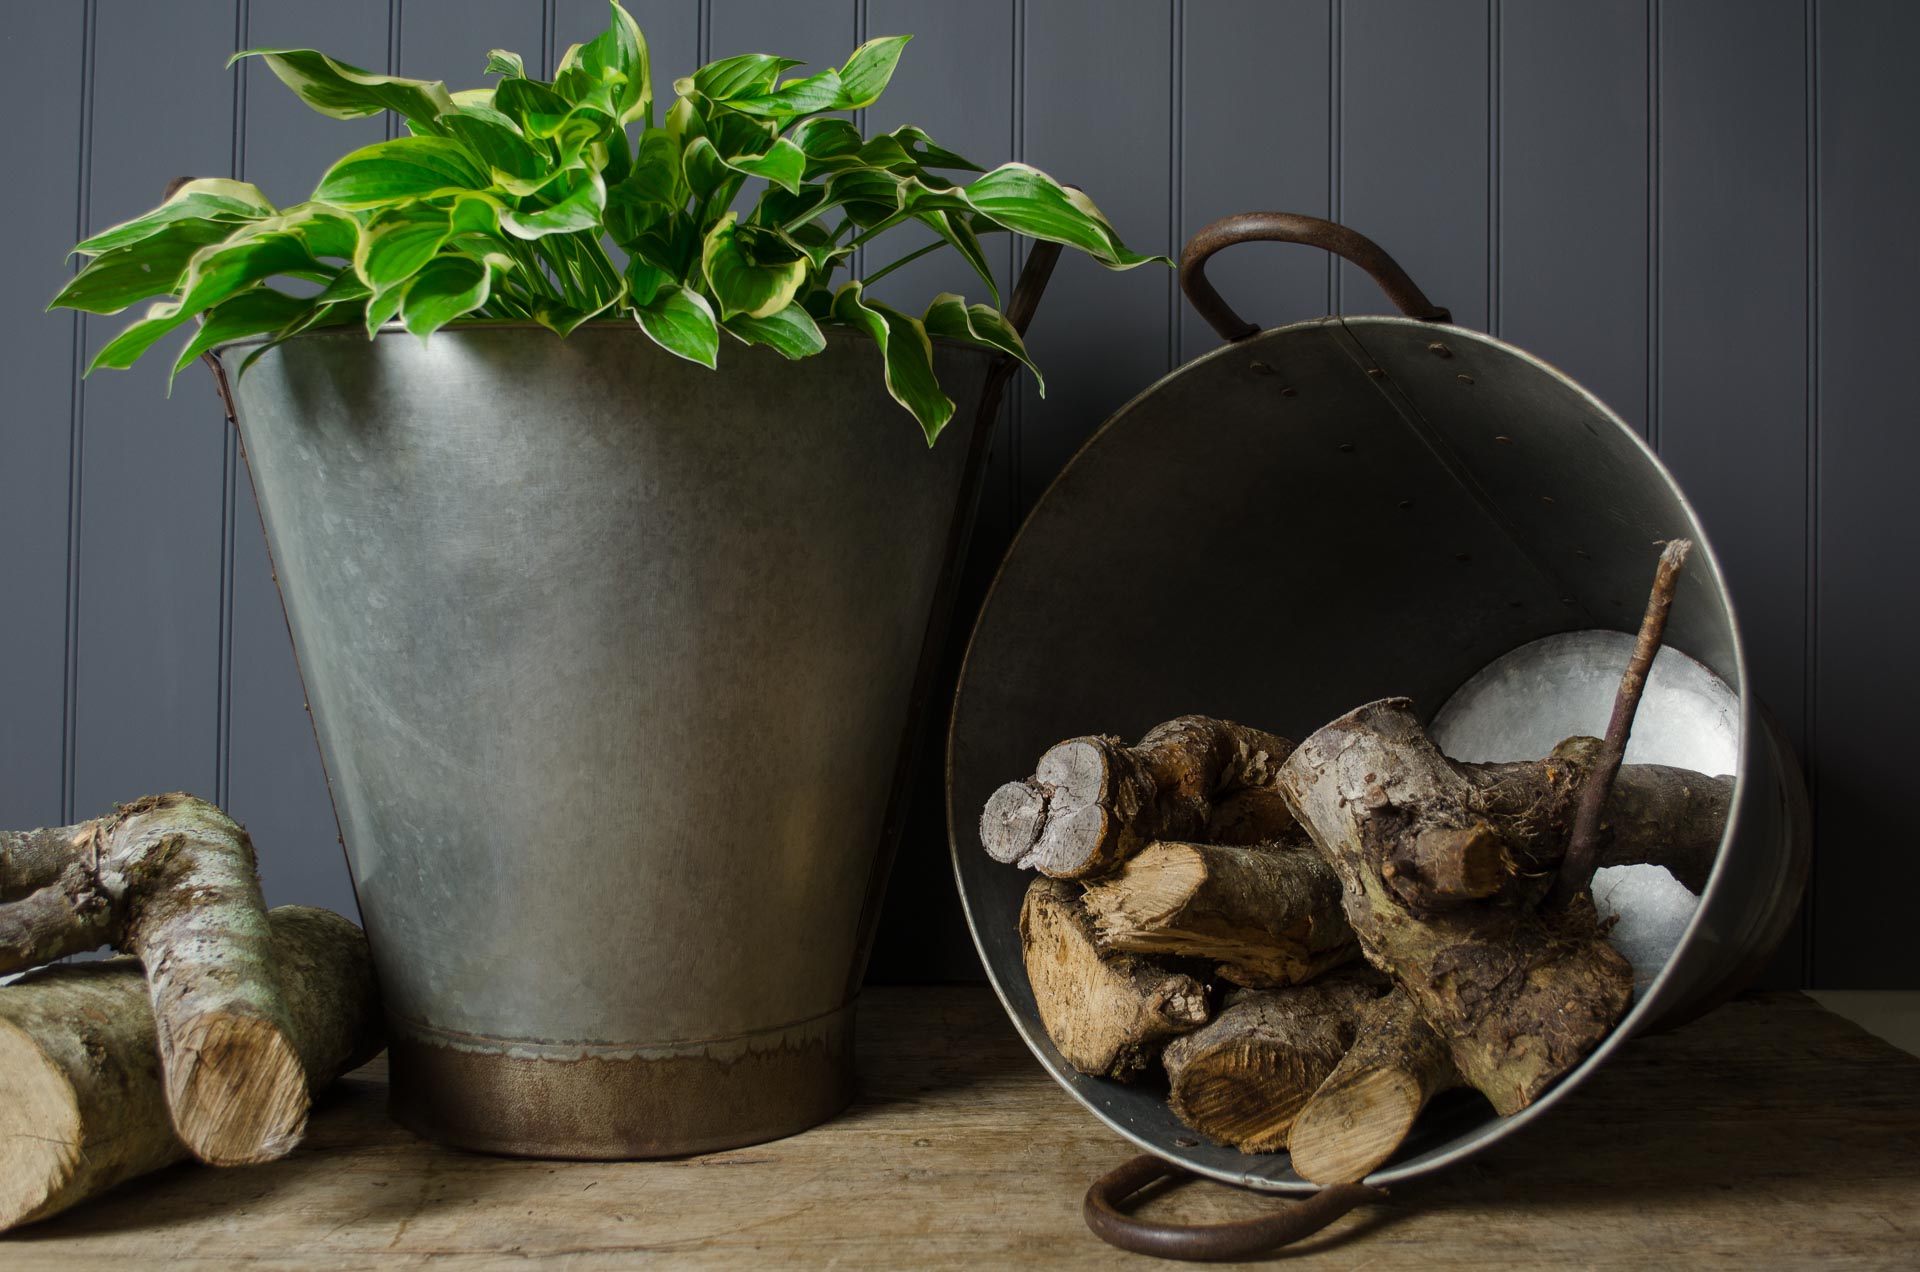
pixel 884 270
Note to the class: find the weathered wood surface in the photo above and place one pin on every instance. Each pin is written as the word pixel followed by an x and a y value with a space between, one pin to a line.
pixel 1771 1134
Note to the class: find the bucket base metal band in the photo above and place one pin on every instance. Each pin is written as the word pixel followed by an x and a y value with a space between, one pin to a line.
pixel 498 1096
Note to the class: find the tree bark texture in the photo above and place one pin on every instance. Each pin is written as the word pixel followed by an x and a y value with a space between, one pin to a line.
pixel 1364 1110
pixel 1520 997
pixel 171 880
pixel 1093 802
pixel 1241 1080
pixel 1266 917
pixel 1108 1013
pixel 86 1098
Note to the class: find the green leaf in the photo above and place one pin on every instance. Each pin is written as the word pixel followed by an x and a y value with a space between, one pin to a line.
pixel 383 307
pixel 794 97
pixel 251 313
pixel 216 201
pixel 783 163
pixel 404 168
pixel 953 227
pixel 510 65
pixel 950 316
pixel 151 267
pixel 617 58
pixel 579 210
pixel 644 281
pixel 1028 201
pixel 748 75
pixel 792 332
pixel 866 73
pixel 446 288
pixel 920 146
pixel 536 107
pixel 680 321
pixel 908 355
pixel 743 267
pixel 346 92
pixel 827 137
pixel 498 148
pixel 398 241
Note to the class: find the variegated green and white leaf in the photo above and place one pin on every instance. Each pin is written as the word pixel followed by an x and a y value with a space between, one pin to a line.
pixel 220 203
pixel 404 168
pixel 342 91
pixel 680 321
pixel 744 269
pixel 907 353
pixel 951 317
pixel 446 288
pixel 792 332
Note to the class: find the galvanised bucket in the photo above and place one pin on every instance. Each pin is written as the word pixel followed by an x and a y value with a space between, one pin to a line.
pixel 1308 519
pixel 612 660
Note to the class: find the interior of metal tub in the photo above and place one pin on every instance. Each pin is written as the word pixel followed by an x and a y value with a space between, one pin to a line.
pixel 1293 525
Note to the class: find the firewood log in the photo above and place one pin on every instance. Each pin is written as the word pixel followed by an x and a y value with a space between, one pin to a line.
pixel 171 880
pixel 1241 1080
pixel 1093 802
pixel 1519 996
pixel 1109 1014
pixel 83 1102
pixel 1363 1111
pixel 1267 917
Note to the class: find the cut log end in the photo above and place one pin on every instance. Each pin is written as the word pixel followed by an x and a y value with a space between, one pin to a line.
pixel 238 1090
pixel 1011 822
pixel 1367 1106
pixel 1108 1014
pixel 41 1139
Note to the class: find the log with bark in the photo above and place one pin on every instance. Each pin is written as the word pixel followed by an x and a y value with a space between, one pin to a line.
pixel 1093 802
pixel 171 880
pixel 1108 1013
pixel 1241 1080
pixel 1265 916
pixel 1520 996
pixel 83 1090
pixel 1364 1110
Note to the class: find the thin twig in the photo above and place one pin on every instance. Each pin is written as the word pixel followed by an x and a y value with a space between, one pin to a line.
pixel 1576 868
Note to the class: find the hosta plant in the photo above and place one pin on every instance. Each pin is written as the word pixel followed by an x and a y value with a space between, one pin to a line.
pixel 566 200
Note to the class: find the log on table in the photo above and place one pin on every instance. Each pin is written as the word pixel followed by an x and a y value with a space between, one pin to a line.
pixel 1109 1014
pixel 1241 1080
pixel 1364 1110
pixel 1093 802
pixel 1267 917
pixel 83 1102
pixel 171 879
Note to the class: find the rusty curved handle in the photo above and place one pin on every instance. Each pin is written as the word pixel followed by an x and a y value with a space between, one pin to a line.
pixel 1206 1243
pixel 1288 227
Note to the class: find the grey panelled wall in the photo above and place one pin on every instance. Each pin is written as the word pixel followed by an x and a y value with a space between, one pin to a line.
pixel 1700 208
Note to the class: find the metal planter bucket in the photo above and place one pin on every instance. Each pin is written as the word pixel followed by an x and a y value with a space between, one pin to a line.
pixel 611 659
pixel 1314 517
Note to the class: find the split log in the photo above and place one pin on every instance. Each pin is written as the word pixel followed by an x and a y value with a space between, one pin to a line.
pixel 171 880
pixel 1093 802
pixel 1268 917
pixel 1520 997
pixel 1241 1080
pixel 1363 1111
pixel 85 1104
pixel 1109 1014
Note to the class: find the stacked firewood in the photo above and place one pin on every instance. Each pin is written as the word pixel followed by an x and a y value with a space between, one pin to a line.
pixel 1314 940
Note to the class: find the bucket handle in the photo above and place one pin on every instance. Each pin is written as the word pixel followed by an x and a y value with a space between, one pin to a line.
pixel 1288 227
pixel 1209 1242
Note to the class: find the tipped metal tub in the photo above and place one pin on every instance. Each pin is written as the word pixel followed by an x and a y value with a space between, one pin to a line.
pixel 1325 514
pixel 612 660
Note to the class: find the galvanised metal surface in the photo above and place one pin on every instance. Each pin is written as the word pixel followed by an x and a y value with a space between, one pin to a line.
pixel 610 659
pixel 1312 518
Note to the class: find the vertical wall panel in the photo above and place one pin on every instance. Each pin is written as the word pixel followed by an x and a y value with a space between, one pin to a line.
pixel 956 81
pixel 274 779
pixel 1867 567
pixel 1098 104
pixel 1571 192
pixel 43 46
pixel 821 32
pixel 1730 375
pixel 153 473
pixel 1256 130
pixel 1413 164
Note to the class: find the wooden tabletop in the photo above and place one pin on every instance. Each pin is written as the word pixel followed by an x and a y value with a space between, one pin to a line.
pixel 1770 1134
